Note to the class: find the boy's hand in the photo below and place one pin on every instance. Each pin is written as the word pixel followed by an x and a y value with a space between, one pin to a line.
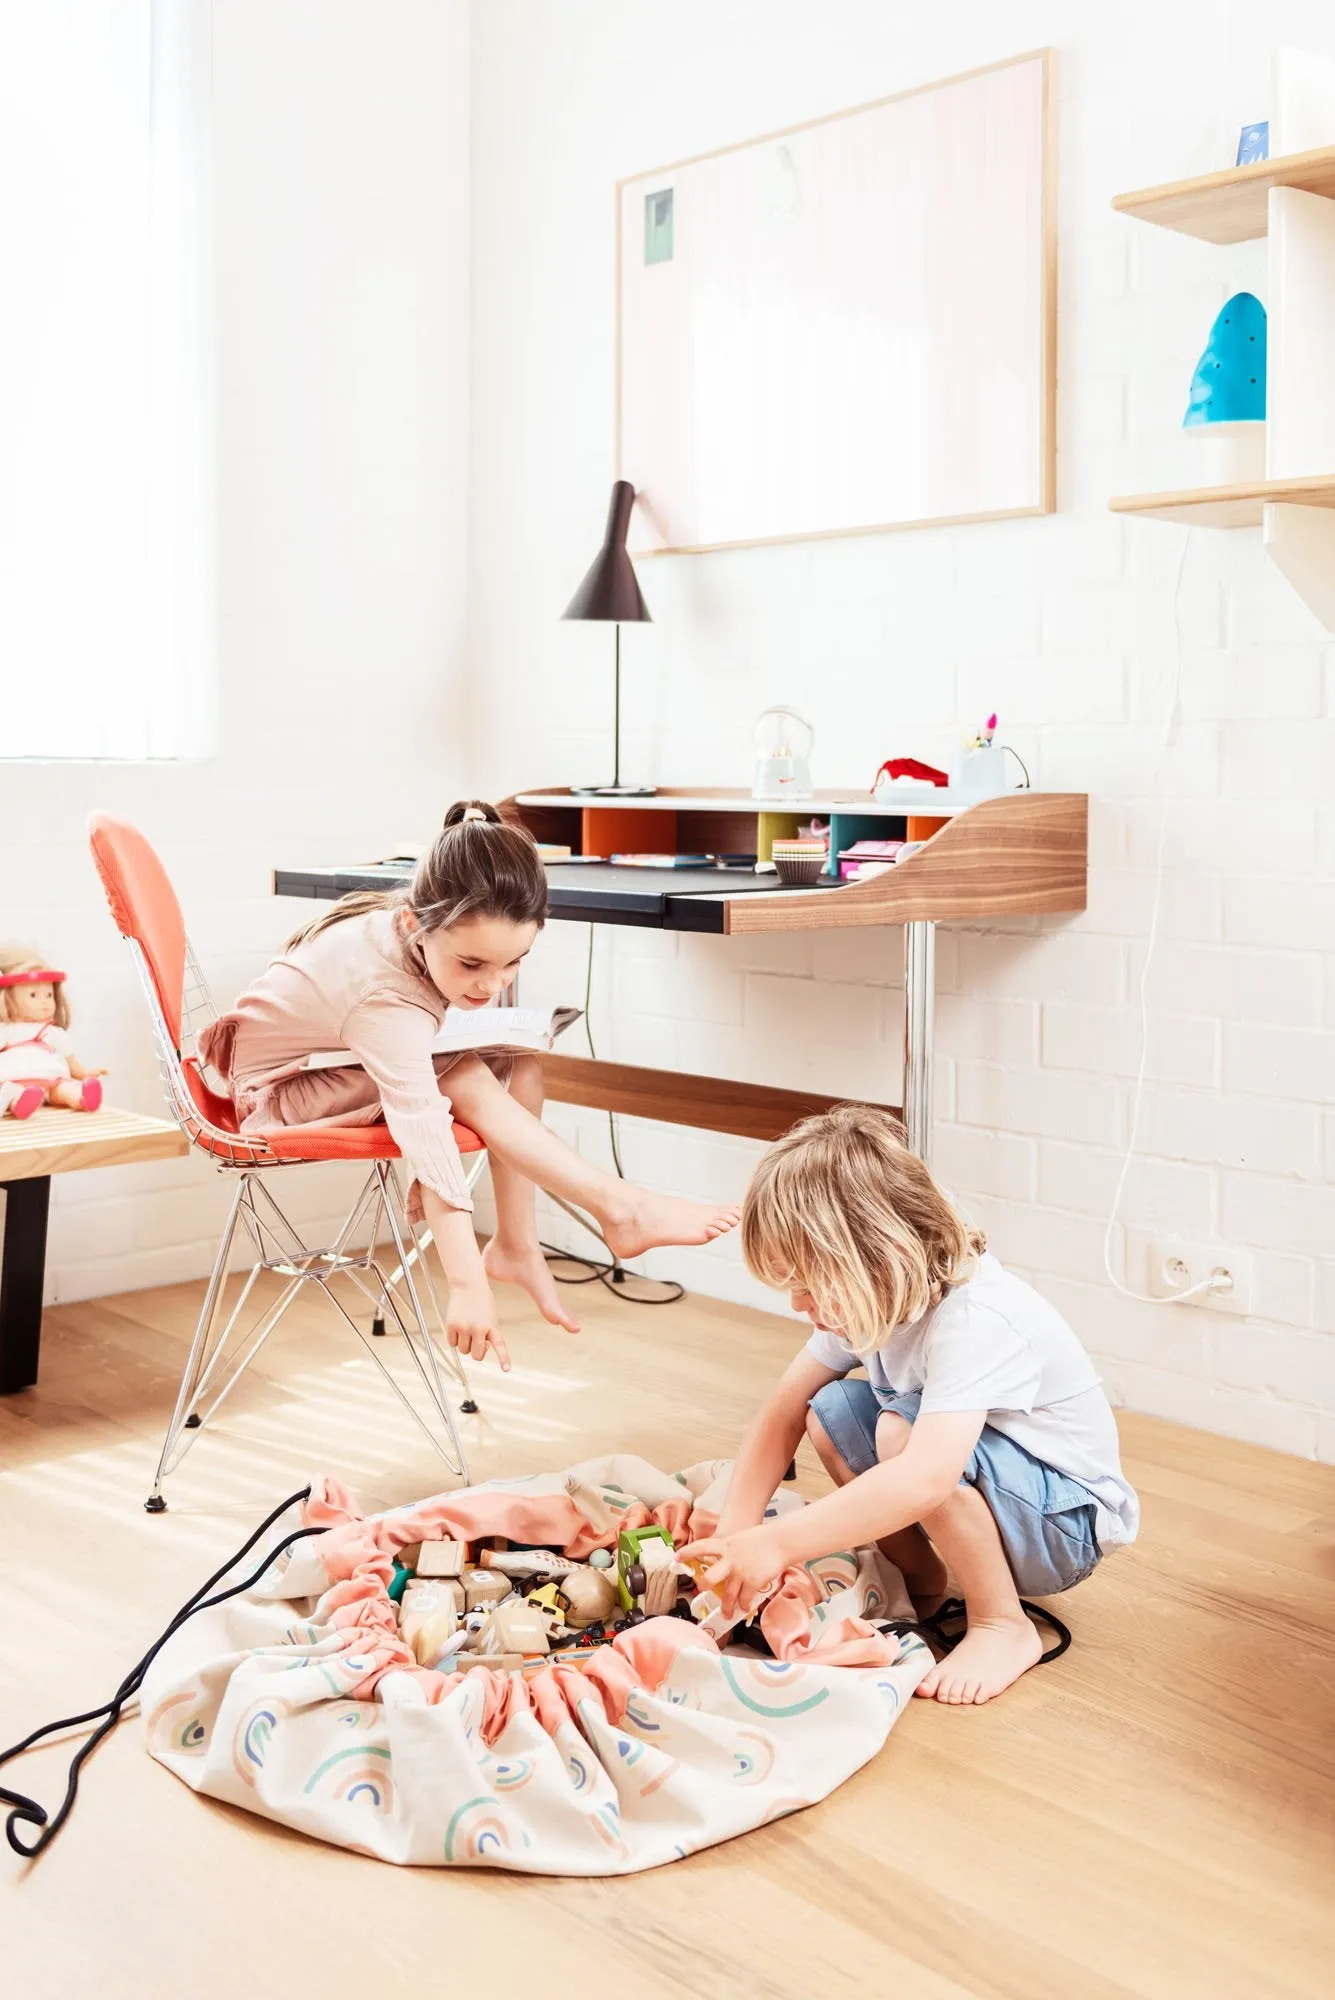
pixel 471 1322
pixel 739 1567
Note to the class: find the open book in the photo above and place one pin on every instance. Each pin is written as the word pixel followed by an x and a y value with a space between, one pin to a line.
pixel 468 1028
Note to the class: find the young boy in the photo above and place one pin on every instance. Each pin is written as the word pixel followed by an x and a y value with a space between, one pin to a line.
pixel 981 1439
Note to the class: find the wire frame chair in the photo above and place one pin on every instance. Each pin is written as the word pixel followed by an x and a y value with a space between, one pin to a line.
pixel 399 1288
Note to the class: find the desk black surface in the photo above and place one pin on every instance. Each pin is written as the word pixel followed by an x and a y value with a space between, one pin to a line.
pixel 679 899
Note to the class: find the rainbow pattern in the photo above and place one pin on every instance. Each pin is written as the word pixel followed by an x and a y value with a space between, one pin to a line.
pixel 356 1776
pixel 754 1764
pixel 509 1774
pixel 185 1735
pixel 668 1766
pixel 635 1710
pixel 835 1573
pixel 477 1830
pixel 253 1735
pixel 772 1677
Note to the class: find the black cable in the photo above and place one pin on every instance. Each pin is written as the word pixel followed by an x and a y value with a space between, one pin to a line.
pixel 26 1810
pixel 953 1611
pixel 588 1036
pixel 618 1280
pixel 614 1275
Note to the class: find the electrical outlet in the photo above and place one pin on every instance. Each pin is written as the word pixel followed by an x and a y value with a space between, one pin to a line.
pixel 1176 1264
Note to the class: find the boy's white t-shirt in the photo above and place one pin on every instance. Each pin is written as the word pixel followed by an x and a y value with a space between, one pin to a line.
pixel 994 1344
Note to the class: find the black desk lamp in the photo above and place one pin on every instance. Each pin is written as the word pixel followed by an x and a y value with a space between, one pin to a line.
pixel 610 594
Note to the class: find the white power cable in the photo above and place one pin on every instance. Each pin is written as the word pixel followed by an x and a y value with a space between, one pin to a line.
pixel 1152 938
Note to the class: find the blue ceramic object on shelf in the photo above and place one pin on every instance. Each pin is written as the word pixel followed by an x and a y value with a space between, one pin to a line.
pixel 1229 384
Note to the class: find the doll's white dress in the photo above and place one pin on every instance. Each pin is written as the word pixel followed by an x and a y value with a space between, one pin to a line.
pixel 31 1053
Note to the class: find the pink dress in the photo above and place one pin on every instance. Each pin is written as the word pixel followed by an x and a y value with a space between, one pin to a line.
pixel 362 986
pixel 33 1053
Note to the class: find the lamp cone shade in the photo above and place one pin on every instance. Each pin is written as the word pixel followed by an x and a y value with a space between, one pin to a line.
pixel 610 590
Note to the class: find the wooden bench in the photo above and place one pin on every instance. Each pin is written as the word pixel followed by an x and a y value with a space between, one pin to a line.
pixel 31 1150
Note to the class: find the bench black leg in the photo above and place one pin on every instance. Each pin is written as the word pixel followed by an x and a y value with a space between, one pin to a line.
pixel 22 1271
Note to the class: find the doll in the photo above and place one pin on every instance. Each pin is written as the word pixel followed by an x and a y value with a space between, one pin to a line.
pixel 36 1062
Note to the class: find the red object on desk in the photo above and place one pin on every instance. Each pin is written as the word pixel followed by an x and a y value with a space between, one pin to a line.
pixel 909 767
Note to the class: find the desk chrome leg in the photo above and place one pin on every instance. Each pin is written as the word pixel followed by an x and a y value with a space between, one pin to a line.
pixel 919 1002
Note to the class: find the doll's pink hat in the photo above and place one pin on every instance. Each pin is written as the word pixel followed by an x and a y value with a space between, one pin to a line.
pixel 32 975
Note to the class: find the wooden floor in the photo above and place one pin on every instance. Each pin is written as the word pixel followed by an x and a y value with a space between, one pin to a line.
pixel 1152 1816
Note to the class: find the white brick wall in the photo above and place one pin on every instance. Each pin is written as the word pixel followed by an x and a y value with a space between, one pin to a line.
pixel 1065 625
pixel 355 703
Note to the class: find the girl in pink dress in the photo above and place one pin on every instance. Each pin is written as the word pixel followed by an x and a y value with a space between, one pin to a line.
pixel 374 976
pixel 37 1062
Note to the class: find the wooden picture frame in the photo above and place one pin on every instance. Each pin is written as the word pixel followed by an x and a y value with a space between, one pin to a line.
pixel 721 460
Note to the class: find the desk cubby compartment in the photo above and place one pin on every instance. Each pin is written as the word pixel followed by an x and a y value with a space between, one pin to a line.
pixel 846 827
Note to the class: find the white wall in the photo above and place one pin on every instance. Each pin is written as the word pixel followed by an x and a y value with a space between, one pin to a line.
pixel 341 168
pixel 893 643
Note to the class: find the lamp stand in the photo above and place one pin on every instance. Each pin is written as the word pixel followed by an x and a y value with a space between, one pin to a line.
pixel 616 790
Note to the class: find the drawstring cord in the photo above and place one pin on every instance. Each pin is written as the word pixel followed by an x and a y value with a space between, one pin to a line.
pixel 27 1811
pixel 952 1612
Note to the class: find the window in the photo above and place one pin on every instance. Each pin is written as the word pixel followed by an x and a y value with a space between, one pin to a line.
pixel 106 488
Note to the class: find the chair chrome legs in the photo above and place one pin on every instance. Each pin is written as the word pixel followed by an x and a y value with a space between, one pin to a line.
pixel 217 1360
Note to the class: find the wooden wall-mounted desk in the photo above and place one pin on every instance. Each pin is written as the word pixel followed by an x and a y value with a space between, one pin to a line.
pixel 1020 854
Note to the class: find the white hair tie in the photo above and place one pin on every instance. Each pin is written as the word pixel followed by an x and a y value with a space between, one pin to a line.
pixel 473 812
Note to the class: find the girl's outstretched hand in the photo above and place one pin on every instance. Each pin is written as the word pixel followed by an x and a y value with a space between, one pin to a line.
pixel 739 1567
pixel 471 1322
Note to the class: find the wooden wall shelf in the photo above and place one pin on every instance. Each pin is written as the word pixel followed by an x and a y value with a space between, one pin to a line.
pixel 1231 206
pixel 1228 506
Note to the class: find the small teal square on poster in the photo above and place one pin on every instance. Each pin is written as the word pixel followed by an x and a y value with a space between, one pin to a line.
pixel 1253 143
pixel 658 227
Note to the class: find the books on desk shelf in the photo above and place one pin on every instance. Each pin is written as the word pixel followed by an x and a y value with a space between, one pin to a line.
pixel 663 860
pixel 868 857
pixel 466 1029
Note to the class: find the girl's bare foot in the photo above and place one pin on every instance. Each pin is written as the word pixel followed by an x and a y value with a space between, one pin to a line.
pixel 991 1655
pixel 650 1221
pixel 524 1265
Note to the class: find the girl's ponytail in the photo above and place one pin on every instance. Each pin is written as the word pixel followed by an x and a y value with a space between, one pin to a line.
pixel 478 866
pixel 475 812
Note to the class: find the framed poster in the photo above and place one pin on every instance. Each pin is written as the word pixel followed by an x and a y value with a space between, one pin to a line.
pixel 846 326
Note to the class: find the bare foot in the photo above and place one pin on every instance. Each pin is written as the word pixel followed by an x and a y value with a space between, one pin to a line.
pixel 649 1221
pixel 527 1267
pixel 988 1658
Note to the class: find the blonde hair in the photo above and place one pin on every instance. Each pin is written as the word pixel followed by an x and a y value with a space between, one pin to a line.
pixel 842 1209
pixel 22 958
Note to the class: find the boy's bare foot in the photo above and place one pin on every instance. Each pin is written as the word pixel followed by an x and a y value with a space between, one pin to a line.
pixel 988 1658
pixel 650 1221
pixel 526 1267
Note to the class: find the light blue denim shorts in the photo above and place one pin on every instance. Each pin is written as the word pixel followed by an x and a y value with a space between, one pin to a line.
pixel 1045 1518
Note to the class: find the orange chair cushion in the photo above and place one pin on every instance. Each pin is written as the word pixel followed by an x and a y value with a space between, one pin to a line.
pixel 144 906
pixel 308 1142
pixel 345 1142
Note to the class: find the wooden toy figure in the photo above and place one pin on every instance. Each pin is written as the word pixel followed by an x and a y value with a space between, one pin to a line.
pixel 590 1594
pixel 37 1064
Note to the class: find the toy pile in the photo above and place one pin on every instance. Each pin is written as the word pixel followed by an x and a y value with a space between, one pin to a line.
pixel 504 1606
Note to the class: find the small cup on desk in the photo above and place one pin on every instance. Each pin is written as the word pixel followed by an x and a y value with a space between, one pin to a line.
pixel 800 861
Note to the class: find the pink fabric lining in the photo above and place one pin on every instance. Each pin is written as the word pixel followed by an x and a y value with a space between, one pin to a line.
pixel 358 1553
